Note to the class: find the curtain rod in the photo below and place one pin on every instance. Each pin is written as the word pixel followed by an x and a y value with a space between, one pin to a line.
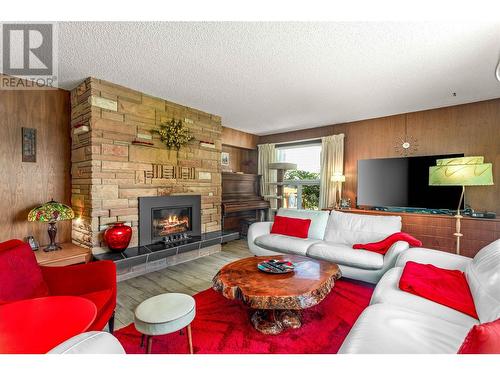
pixel 297 141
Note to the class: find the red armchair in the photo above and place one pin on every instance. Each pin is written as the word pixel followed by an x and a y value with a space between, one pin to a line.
pixel 22 278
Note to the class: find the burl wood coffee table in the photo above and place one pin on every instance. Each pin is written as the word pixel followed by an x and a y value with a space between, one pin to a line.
pixel 277 298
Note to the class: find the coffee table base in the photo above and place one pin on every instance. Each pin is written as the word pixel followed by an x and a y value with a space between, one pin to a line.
pixel 273 322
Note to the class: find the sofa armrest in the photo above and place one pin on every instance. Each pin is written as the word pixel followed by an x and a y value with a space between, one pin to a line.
pixel 259 229
pixel 392 254
pixel 435 257
pixel 256 230
pixel 81 278
pixel 94 342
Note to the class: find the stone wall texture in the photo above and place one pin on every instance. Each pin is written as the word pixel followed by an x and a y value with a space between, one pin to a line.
pixel 116 158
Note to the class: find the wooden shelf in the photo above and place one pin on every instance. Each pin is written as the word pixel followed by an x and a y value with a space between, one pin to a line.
pixel 69 254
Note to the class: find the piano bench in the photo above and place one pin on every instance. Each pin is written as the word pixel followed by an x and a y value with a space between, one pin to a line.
pixel 245 224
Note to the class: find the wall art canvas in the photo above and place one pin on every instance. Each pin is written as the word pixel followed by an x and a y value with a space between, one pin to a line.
pixel 29 145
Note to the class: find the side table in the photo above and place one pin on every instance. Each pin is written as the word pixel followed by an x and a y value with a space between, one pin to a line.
pixel 69 254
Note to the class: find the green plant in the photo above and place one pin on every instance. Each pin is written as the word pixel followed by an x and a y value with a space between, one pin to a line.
pixel 310 193
pixel 174 134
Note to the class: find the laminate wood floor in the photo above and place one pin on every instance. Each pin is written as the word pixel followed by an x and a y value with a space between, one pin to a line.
pixel 190 278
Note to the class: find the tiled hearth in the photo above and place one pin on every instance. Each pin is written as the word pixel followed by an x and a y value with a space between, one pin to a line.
pixel 139 260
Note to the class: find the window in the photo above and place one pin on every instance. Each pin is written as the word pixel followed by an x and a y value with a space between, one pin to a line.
pixel 301 188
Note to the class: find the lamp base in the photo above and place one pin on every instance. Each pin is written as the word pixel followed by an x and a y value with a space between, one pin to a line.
pixel 52 247
pixel 52 235
pixel 457 234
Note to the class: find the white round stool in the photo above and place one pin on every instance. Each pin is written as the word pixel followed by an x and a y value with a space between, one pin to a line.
pixel 165 313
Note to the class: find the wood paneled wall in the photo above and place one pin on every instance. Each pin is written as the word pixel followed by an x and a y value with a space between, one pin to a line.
pixel 472 129
pixel 237 138
pixel 240 160
pixel 242 149
pixel 24 185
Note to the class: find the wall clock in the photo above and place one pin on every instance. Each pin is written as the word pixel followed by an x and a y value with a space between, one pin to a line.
pixel 406 145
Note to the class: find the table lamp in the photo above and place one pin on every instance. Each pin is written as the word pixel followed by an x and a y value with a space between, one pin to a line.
pixel 338 178
pixel 51 212
pixel 466 171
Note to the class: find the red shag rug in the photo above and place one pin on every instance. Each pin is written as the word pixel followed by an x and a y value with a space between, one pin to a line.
pixel 223 326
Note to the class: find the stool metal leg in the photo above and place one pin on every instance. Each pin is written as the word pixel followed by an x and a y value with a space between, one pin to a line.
pixel 149 344
pixel 190 339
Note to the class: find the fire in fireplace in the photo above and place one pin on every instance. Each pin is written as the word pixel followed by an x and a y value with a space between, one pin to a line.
pixel 167 221
pixel 169 218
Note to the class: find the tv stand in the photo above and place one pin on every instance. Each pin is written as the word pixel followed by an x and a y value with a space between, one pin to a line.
pixel 415 210
pixel 436 230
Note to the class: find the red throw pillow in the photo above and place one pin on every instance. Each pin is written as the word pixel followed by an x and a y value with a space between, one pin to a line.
pixel 20 275
pixel 446 287
pixel 383 246
pixel 482 339
pixel 290 226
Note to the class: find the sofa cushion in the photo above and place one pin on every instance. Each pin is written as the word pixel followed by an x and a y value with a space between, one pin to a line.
pixel 482 339
pixel 290 226
pixel 387 291
pixel 318 220
pixel 349 229
pixel 20 274
pixel 389 329
pixel 285 244
pixel 483 275
pixel 345 255
pixel 446 287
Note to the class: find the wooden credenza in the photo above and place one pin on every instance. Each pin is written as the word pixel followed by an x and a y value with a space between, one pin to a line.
pixel 436 231
pixel 69 254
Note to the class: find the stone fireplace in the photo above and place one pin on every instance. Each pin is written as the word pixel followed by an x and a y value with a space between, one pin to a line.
pixel 169 219
pixel 117 158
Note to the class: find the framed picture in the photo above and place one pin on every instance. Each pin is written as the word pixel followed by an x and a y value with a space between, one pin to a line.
pixel 32 242
pixel 224 158
pixel 29 145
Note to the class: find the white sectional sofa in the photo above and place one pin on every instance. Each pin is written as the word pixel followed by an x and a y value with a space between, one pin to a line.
pixel 93 342
pixel 400 322
pixel 330 237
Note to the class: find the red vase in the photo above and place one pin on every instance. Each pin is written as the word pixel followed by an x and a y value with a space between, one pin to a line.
pixel 118 236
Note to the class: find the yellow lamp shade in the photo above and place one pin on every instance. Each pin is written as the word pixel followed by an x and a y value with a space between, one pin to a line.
pixel 466 171
pixel 337 177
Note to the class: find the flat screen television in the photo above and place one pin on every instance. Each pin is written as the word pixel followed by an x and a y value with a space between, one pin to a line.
pixel 404 182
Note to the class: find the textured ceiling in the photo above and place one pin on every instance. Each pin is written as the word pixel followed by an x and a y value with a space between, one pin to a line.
pixel 270 77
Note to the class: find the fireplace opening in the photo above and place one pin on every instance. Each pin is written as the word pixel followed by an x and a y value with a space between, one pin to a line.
pixel 168 221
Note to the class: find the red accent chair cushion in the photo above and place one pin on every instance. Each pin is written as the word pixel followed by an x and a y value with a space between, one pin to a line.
pixel 20 275
pixel 482 339
pixel 22 278
pixel 94 281
pixel 290 226
pixel 103 300
pixel 382 247
pixel 446 287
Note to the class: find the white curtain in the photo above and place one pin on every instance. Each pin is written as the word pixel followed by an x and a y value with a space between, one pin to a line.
pixel 267 154
pixel 332 161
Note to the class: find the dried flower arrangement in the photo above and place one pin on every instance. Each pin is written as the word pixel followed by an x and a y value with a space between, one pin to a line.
pixel 174 134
